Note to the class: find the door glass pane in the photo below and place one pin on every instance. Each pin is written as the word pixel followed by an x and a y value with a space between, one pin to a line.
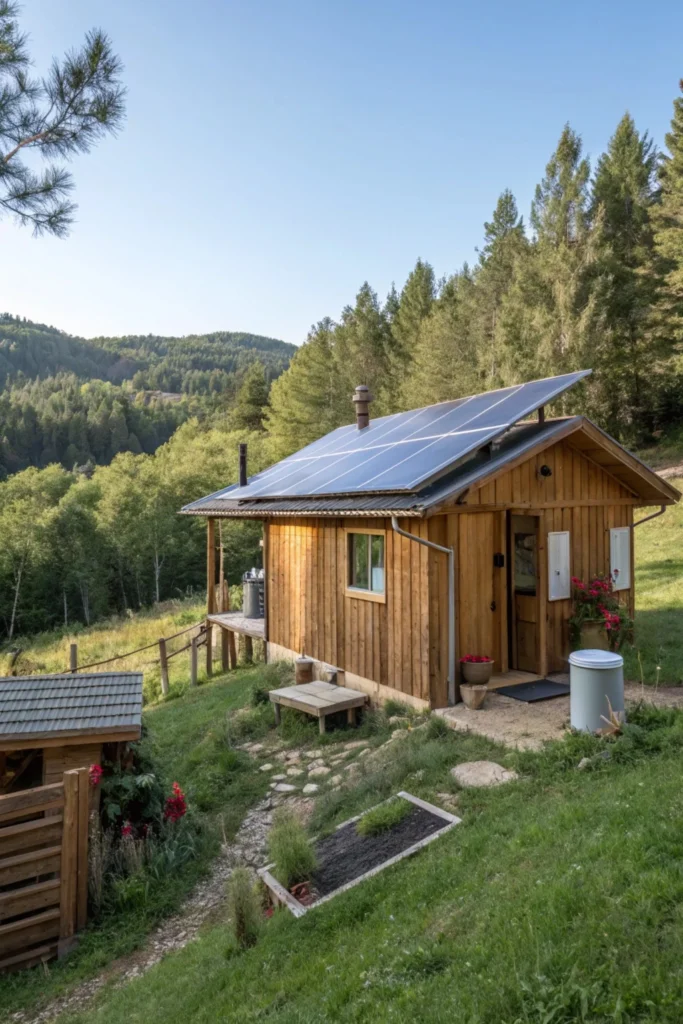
pixel 377 555
pixel 525 563
pixel 359 560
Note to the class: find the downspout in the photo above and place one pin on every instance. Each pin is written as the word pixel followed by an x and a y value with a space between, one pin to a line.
pixel 451 599
pixel 653 515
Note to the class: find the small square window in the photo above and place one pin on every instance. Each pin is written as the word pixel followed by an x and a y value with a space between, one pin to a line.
pixel 366 563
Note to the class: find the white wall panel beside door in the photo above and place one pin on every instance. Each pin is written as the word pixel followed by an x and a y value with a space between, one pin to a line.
pixel 620 557
pixel 559 576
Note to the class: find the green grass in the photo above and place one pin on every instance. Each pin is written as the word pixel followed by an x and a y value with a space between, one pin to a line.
pixel 659 598
pixel 384 817
pixel 559 898
pixel 668 451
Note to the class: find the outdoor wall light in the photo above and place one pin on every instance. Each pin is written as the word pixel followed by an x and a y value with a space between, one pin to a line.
pixel 545 471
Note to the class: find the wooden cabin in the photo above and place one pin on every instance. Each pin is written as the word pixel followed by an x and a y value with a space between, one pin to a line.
pixel 369 531
pixel 50 724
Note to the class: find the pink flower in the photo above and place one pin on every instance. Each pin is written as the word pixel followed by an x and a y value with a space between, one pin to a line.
pixel 126 829
pixel 95 774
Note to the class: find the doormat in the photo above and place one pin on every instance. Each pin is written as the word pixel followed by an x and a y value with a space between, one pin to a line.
pixel 541 689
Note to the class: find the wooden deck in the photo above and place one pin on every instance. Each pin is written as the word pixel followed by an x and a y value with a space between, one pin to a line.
pixel 237 623
pixel 318 699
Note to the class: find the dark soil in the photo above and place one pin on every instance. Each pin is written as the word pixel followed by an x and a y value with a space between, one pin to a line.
pixel 345 855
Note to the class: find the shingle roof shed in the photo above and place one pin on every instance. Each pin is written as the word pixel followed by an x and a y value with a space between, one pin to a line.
pixel 78 705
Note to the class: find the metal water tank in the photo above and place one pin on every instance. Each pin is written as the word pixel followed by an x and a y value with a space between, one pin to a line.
pixel 252 591
pixel 596 682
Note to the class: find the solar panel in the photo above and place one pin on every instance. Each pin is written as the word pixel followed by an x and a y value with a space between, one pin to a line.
pixel 404 451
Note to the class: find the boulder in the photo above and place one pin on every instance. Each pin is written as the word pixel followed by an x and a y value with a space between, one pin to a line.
pixel 472 774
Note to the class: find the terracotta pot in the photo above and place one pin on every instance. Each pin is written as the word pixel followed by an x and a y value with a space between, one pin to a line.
pixel 476 672
pixel 594 636
pixel 473 696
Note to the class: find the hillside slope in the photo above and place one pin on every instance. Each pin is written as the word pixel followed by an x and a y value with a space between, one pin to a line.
pixel 36 350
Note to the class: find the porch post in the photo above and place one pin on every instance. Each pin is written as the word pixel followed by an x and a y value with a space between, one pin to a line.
pixel 210 567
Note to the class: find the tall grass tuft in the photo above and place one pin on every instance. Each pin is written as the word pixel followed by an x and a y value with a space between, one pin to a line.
pixel 244 907
pixel 290 849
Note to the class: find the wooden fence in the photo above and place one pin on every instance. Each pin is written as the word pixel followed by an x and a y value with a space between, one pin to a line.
pixel 43 870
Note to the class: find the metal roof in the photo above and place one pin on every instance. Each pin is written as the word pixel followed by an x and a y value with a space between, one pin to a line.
pixel 516 442
pixel 70 704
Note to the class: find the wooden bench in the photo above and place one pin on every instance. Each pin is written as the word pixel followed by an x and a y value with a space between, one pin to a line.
pixel 318 699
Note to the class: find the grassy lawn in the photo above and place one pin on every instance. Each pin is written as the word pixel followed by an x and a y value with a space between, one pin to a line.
pixel 659 598
pixel 49 652
pixel 558 899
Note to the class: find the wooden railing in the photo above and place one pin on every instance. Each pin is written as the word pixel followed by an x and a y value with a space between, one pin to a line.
pixel 43 870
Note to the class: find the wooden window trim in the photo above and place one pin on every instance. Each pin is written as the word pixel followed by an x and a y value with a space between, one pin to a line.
pixel 358 593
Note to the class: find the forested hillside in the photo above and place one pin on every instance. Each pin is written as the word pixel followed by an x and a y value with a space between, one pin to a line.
pixel 595 279
pixel 77 402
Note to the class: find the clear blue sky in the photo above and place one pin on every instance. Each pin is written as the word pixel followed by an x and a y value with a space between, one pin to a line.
pixel 277 154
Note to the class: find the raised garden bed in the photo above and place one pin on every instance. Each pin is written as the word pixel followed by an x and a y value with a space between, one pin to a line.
pixel 346 858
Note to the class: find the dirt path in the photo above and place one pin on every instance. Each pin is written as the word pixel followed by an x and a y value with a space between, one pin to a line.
pixel 205 902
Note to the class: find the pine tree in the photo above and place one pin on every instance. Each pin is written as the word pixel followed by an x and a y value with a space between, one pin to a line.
pixel 549 317
pixel 409 312
pixel 445 363
pixel 79 102
pixel 668 223
pixel 505 244
pixel 307 400
pixel 251 400
pixel 626 355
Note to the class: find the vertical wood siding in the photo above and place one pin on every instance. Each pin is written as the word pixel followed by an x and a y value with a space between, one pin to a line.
pixel 308 611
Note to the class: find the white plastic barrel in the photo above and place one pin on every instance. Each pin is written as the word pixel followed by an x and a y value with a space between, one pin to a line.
pixel 596 682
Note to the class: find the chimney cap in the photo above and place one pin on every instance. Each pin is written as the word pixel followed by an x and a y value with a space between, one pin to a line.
pixel 362 399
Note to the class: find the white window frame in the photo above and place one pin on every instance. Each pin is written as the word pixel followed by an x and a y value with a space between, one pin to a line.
pixel 559 576
pixel 620 538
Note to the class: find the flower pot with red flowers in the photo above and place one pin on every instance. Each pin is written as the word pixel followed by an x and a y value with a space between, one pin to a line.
pixel 598 621
pixel 476 671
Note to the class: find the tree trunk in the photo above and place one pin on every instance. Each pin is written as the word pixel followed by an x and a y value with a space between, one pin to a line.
pixel 66 608
pixel 17 586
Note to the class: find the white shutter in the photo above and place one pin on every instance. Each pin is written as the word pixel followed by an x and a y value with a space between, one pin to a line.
pixel 559 582
pixel 620 557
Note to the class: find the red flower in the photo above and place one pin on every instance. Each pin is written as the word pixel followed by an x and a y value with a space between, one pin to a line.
pixel 95 773
pixel 126 829
pixel 476 659
pixel 176 806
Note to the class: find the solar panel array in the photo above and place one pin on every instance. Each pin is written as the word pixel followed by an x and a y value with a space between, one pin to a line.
pixel 404 451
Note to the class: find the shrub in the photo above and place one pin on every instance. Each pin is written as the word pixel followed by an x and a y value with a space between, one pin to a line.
pixel 290 849
pixel 244 907
pixel 384 817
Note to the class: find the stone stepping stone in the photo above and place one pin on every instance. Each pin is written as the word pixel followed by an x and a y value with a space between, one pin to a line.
pixel 278 778
pixel 313 753
pixel 355 744
pixel 474 774
pixel 310 788
pixel 319 770
pixel 335 780
pixel 282 787
pixel 266 767
pixel 295 771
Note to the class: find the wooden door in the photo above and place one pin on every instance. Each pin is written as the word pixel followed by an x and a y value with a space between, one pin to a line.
pixel 523 581
pixel 482 586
